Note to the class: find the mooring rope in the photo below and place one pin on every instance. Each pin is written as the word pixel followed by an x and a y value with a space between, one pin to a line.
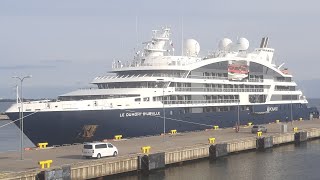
pixel 178 120
pixel 18 119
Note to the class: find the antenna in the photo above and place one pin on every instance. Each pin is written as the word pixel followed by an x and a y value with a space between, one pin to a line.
pixel 182 36
pixel 137 31
pixel 280 65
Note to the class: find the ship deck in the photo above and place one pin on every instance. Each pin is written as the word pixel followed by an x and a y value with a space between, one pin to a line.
pixel 3 117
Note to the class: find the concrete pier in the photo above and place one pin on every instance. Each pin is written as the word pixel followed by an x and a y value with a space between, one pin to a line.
pixel 264 142
pixel 218 150
pixel 4 117
pixel 164 150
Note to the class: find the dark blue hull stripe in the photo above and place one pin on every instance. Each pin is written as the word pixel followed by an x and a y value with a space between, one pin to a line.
pixel 66 127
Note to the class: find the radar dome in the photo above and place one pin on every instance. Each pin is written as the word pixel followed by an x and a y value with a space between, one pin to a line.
pixel 243 44
pixel 191 47
pixel 224 43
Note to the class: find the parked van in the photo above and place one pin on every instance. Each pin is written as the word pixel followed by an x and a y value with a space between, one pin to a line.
pixel 257 128
pixel 98 150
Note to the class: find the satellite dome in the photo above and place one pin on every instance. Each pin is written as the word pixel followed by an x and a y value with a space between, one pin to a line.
pixel 243 44
pixel 224 43
pixel 191 47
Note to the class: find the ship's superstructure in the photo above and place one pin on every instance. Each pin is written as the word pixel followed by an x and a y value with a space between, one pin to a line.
pixel 231 85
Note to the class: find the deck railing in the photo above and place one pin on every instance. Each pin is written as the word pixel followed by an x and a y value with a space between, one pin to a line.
pixel 207 89
pixel 201 101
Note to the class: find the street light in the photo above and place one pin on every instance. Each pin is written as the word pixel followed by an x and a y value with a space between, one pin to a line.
pixel 238 124
pixel 291 109
pixel 164 112
pixel 21 113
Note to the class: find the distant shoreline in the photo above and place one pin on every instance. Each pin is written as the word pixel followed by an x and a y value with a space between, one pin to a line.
pixel 14 100
pixel 7 100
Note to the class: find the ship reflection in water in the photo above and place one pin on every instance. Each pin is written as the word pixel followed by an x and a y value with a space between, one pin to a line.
pixel 284 162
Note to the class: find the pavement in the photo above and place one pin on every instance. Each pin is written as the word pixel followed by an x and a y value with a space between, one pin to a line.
pixel 67 155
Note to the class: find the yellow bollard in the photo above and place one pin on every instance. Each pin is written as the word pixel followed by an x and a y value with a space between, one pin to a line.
pixel 145 149
pixel 211 140
pixel 215 127
pixel 45 164
pixel 259 133
pixel 295 129
pixel 173 131
pixel 249 123
pixel 117 137
pixel 300 119
pixel 42 145
pixel 277 121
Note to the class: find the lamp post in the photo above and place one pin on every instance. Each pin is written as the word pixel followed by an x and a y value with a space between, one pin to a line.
pixel 164 112
pixel 238 124
pixel 291 109
pixel 239 112
pixel 21 113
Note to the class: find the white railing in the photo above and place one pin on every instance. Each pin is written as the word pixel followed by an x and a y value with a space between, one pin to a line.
pixel 282 80
pixel 140 75
pixel 224 101
pixel 171 75
pixel 191 89
pixel 88 88
pixel 182 61
pixel 283 90
pixel 207 77
pixel 223 78
pixel 255 80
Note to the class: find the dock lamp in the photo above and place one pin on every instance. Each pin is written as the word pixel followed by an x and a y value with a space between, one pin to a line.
pixel 21 113
pixel 164 112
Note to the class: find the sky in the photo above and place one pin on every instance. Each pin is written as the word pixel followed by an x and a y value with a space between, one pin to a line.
pixel 64 44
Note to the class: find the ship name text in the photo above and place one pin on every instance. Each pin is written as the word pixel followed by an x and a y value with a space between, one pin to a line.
pixel 271 109
pixel 134 114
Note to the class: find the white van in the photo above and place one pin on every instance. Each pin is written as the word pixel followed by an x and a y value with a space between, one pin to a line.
pixel 99 149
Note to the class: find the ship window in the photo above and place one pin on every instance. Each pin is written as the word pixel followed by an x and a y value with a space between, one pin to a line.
pixel 146 99
pixel 171 112
pixel 137 99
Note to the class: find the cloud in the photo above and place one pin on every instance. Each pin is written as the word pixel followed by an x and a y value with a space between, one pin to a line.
pixel 57 61
pixel 43 64
pixel 26 66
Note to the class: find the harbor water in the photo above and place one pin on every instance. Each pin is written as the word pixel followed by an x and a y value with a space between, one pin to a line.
pixel 288 162
pixel 10 133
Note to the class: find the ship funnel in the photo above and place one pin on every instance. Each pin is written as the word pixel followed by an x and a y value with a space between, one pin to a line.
pixel 264 42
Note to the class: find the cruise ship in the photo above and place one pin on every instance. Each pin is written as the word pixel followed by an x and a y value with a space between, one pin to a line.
pixel 158 91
